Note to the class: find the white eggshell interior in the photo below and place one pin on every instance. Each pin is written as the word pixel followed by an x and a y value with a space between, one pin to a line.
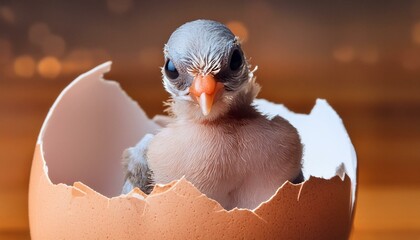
pixel 93 121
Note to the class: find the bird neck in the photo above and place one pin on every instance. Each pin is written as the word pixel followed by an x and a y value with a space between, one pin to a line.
pixel 242 107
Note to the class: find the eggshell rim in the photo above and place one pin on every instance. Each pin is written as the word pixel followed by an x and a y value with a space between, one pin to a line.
pixel 80 189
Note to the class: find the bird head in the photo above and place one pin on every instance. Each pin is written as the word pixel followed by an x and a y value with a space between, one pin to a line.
pixel 206 71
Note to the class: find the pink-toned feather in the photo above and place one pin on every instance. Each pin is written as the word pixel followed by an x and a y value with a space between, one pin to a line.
pixel 239 158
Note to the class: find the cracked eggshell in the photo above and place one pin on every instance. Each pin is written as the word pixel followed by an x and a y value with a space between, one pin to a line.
pixel 77 176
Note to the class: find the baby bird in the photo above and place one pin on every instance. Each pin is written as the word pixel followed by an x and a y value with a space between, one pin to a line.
pixel 215 138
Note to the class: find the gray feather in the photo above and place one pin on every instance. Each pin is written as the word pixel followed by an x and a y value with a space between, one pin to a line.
pixel 202 47
pixel 136 167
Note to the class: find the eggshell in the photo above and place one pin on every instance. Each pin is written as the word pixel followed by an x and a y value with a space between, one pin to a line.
pixel 77 176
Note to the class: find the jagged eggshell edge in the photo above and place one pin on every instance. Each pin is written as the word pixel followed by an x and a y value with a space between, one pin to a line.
pixel 93 121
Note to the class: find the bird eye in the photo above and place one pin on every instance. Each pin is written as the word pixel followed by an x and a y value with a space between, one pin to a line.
pixel 235 60
pixel 170 70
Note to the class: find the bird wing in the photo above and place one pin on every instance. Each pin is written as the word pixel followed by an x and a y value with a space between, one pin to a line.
pixel 136 168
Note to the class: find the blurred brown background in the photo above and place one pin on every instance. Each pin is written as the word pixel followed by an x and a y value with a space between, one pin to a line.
pixel 362 56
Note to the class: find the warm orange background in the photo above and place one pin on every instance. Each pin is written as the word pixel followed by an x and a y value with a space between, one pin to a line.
pixel 362 56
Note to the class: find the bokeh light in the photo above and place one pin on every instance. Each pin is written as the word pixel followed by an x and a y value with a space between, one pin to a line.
pixel 7 14
pixel 49 67
pixel 416 33
pixel 362 56
pixel 24 66
pixel 51 44
pixel 344 54
pixel 239 29
pixel 411 59
pixel 78 60
pixel 5 51
pixel 54 45
pixel 38 32
pixel 82 59
pixel 119 6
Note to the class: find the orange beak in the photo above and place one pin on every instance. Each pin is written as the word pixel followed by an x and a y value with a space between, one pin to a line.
pixel 205 88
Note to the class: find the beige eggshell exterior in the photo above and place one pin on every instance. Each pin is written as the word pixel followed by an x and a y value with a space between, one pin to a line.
pixel 64 205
